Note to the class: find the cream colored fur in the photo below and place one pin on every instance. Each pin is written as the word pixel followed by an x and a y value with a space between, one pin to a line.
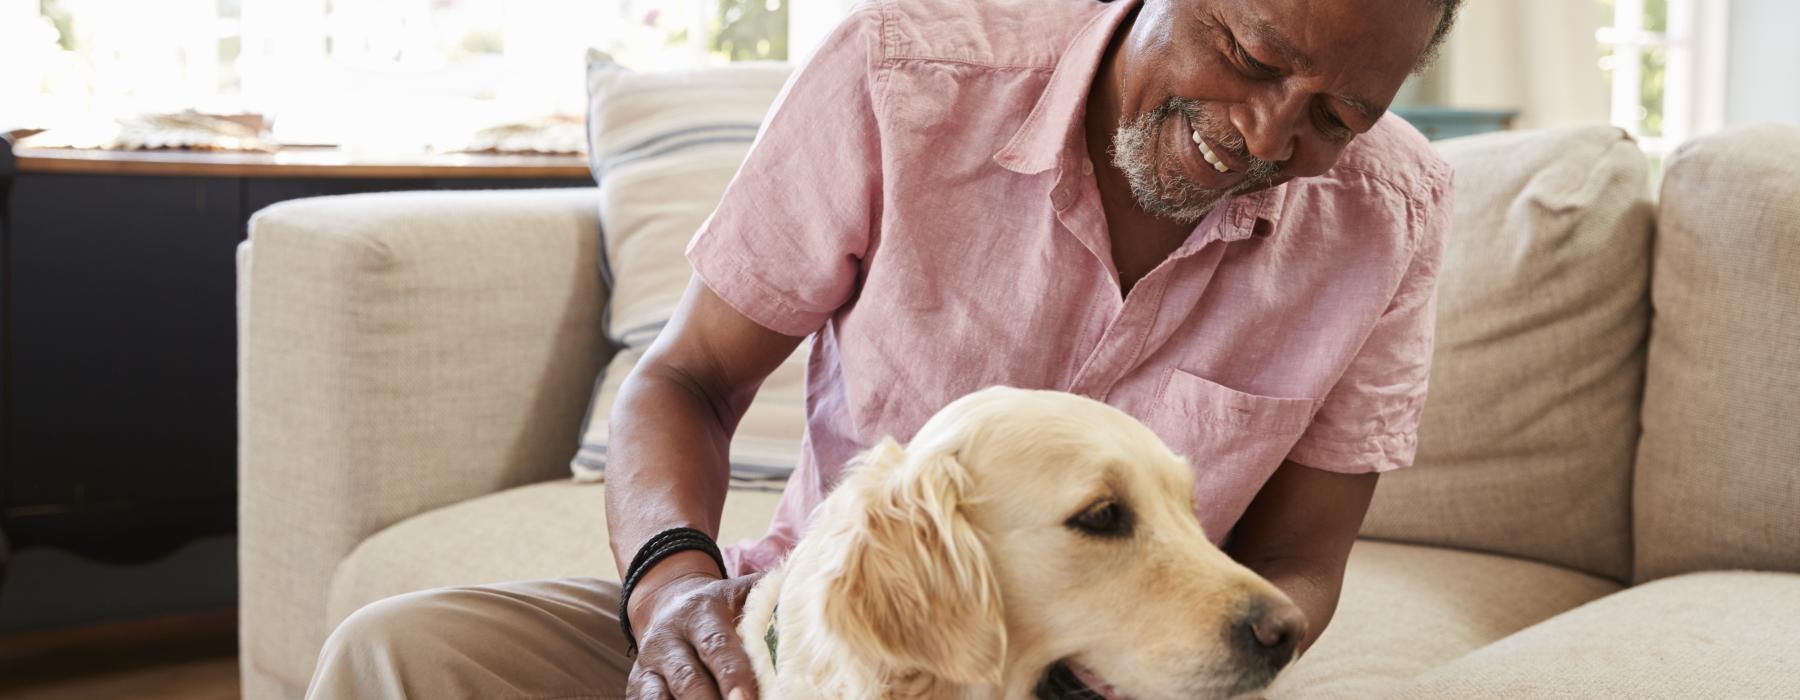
pixel 947 569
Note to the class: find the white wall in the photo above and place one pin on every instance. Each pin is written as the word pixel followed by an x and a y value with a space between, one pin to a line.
pixel 1763 69
pixel 1535 56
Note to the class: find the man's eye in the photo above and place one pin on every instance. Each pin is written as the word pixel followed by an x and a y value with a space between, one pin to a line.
pixel 1258 67
pixel 1334 126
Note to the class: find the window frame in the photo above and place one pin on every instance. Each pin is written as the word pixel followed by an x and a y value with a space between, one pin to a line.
pixel 1694 51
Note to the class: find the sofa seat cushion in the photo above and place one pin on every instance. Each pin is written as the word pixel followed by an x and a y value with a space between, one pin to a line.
pixel 1705 635
pixel 1407 608
pixel 1404 608
pixel 545 530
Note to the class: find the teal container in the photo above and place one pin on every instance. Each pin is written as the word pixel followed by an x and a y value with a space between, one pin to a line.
pixel 1445 123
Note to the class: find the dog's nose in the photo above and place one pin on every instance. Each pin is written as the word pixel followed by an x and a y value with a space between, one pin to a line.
pixel 1271 632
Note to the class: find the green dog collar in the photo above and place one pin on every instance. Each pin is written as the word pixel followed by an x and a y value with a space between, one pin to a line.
pixel 770 637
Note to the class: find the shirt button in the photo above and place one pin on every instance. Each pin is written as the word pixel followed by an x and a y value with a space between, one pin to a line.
pixel 1087 167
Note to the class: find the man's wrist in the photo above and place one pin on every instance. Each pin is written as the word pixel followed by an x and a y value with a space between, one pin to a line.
pixel 673 574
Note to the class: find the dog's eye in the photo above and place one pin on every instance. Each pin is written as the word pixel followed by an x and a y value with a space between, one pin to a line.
pixel 1106 518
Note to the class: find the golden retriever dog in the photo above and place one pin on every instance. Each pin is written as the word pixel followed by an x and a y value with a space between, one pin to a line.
pixel 1022 540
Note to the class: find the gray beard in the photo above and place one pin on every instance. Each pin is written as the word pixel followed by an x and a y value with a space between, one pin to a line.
pixel 1175 197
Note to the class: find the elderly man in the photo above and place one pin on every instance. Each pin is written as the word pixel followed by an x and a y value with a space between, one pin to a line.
pixel 1194 210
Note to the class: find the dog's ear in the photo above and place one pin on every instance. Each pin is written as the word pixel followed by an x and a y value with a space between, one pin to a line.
pixel 916 587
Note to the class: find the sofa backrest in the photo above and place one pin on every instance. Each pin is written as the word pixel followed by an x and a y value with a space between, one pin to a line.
pixel 1718 470
pixel 1526 443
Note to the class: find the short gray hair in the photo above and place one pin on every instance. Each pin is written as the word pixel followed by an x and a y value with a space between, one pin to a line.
pixel 1445 22
pixel 1448 20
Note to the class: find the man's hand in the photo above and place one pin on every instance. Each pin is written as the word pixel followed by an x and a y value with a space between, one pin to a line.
pixel 688 646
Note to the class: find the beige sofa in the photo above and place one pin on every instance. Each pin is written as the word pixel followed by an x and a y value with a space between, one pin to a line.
pixel 1606 501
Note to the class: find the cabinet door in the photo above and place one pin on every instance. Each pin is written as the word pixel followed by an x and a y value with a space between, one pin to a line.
pixel 123 361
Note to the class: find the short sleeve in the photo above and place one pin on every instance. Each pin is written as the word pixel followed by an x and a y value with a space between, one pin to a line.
pixel 1369 422
pixel 785 245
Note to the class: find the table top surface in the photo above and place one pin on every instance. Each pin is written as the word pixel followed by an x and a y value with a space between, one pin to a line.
pixel 309 162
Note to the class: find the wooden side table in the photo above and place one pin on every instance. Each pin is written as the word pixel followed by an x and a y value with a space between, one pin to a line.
pixel 117 342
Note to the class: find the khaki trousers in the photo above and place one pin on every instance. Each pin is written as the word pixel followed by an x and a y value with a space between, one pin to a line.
pixel 556 638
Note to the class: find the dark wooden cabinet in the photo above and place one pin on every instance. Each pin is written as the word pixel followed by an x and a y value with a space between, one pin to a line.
pixel 118 354
pixel 9 166
pixel 121 362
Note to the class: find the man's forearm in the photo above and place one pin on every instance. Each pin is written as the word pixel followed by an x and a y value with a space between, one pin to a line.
pixel 666 466
pixel 669 459
pixel 1312 584
pixel 666 469
pixel 1298 534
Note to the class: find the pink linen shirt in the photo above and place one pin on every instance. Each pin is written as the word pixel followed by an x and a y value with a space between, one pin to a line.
pixel 920 199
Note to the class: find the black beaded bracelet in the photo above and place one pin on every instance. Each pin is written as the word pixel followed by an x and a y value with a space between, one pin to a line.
pixel 659 547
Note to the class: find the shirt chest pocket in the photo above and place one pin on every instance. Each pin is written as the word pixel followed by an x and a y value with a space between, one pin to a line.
pixel 1195 401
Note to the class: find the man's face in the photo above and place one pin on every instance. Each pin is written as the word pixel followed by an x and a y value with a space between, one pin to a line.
pixel 1274 89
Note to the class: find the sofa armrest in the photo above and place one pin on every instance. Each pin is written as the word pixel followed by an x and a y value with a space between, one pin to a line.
pixel 398 352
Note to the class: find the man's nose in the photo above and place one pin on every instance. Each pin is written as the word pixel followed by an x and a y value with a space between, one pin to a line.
pixel 1270 125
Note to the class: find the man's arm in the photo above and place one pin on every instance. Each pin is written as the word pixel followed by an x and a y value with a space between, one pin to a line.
pixel 668 465
pixel 1297 534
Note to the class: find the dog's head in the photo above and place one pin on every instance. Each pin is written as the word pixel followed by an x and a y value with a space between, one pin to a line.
pixel 1021 530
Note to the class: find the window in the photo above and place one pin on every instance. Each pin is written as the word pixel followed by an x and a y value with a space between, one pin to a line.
pixel 1665 62
pixel 386 74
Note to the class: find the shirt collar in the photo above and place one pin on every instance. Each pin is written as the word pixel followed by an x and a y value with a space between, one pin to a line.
pixel 1040 142
pixel 1037 145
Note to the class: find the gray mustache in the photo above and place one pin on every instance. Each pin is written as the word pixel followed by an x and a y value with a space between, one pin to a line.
pixel 1225 137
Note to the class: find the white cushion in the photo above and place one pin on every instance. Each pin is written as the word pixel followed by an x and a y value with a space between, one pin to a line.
pixel 663 147
pixel 765 447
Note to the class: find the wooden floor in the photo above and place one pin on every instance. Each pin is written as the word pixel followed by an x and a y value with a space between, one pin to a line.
pixel 192 656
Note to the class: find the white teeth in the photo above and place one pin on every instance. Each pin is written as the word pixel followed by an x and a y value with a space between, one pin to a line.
pixel 1206 152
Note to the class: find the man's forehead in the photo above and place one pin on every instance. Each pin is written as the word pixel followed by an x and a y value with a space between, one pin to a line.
pixel 1284 27
pixel 1268 34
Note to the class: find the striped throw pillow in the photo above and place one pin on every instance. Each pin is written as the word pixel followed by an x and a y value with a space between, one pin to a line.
pixel 663 146
pixel 763 451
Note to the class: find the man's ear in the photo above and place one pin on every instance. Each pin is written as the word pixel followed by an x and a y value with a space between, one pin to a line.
pixel 913 584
